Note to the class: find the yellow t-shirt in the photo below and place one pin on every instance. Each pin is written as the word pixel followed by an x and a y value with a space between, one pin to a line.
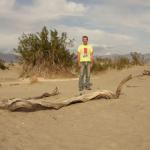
pixel 85 52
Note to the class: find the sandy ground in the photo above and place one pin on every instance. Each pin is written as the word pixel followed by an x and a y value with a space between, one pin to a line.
pixel 122 124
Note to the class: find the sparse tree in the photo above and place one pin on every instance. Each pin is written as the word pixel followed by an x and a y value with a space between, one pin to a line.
pixel 45 52
pixel 137 58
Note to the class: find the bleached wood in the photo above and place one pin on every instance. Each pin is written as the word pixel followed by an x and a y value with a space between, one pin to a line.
pixel 36 103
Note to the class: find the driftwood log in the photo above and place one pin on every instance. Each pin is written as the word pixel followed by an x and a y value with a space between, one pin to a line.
pixel 38 103
pixel 53 93
pixel 146 72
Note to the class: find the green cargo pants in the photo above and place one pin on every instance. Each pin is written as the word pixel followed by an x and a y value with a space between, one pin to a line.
pixel 84 78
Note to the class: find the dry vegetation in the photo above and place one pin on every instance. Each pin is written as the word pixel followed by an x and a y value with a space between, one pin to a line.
pixel 102 64
pixel 3 65
pixel 34 79
pixel 45 53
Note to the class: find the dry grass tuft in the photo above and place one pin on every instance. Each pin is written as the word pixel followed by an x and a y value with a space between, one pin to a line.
pixel 34 79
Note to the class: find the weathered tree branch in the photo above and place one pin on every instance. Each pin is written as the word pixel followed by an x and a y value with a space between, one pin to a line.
pixel 36 103
pixel 54 92
pixel 119 88
pixel 146 72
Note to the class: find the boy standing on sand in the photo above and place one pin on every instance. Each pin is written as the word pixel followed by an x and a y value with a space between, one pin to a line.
pixel 85 63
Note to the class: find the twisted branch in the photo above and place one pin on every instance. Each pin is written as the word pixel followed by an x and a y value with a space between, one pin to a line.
pixel 36 103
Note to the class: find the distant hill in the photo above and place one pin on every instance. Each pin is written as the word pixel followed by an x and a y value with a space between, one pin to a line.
pixel 8 57
pixel 147 56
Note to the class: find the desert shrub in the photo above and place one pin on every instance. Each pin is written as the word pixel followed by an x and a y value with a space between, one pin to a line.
pixel 45 52
pixel 102 64
pixel 137 58
pixel 121 62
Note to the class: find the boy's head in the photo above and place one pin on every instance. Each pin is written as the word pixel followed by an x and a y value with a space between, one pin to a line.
pixel 85 40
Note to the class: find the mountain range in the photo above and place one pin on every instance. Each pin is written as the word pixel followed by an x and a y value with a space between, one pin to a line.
pixel 8 57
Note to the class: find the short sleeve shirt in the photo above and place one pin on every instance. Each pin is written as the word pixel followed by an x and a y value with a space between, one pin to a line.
pixel 85 52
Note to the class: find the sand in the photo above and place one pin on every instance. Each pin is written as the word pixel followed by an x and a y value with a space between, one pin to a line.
pixel 118 124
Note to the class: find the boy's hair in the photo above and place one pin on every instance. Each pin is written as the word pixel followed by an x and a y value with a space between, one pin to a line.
pixel 84 37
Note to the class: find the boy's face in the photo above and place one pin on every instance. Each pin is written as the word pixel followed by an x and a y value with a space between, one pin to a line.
pixel 85 41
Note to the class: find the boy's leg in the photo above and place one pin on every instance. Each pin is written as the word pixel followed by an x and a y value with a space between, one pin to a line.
pixel 88 72
pixel 81 77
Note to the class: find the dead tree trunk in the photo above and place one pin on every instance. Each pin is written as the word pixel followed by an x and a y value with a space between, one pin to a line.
pixel 36 103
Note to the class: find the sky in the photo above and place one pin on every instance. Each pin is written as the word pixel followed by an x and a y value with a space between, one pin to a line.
pixel 113 26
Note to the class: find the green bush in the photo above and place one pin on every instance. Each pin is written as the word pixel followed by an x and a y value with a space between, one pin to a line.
pixel 45 52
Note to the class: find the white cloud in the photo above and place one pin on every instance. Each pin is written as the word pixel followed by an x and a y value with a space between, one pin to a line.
pixel 23 17
pixel 122 14
pixel 98 38
pixel 6 6
pixel 131 18
pixel 139 2
pixel 41 10
pixel 55 9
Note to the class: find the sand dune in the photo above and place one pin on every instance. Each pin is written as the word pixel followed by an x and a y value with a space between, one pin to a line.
pixel 118 124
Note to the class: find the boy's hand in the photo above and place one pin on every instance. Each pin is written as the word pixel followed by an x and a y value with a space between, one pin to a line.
pixel 91 65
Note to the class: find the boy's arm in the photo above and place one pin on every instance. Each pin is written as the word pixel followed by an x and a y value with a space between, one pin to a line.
pixel 78 58
pixel 92 59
